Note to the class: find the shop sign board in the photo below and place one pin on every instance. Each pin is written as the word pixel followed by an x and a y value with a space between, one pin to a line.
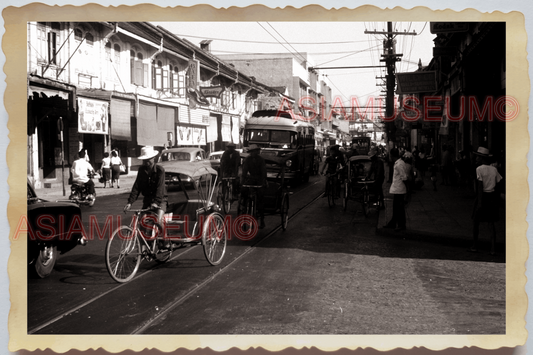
pixel 447 27
pixel 212 91
pixel 417 82
pixel 92 116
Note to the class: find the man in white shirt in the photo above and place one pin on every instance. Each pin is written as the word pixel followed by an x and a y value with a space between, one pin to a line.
pixel 399 189
pixel 80 169
pixel 486 205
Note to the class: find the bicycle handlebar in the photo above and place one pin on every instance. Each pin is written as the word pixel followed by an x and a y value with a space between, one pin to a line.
pixel 253 186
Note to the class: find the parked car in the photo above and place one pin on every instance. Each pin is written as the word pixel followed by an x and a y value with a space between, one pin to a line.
pixel 173 157
pixel 214 159
pixel 54 228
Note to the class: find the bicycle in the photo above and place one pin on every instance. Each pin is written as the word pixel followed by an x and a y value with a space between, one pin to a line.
pixel 248 205
pixel 225 195
pixel 331 188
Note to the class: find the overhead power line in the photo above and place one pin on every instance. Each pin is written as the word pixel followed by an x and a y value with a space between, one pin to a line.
pixel 263 42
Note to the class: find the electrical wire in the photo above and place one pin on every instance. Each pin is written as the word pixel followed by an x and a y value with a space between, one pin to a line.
pixel 264 42
pixel 277 40
pixel 279 34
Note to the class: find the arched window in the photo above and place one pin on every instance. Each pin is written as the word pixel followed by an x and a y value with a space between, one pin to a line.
pixel 116 60
pixel 158 76
pixel 78 35
pixel 89 38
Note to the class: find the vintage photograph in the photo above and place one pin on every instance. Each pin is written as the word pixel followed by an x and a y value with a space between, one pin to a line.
pixel 268 178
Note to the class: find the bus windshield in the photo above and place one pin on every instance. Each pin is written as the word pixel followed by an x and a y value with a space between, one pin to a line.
pixel 273 138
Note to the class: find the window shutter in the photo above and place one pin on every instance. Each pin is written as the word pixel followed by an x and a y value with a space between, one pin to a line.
pixel 52 37
pixel 145 78
pixel 138 73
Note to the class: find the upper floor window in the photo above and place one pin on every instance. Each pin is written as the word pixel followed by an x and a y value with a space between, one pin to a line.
pixel 116 60
pixel 177 81
pixel 139 70
pixel 158 77
pixel 78 35
pixel 48 41
pixel 89 39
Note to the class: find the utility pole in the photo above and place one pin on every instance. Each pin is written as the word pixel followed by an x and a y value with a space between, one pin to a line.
pixel 390 57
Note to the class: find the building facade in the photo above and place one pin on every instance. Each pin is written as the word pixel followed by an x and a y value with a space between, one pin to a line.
pixel 102 85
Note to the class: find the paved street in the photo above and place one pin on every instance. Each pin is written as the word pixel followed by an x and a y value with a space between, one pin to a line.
pixel 329 273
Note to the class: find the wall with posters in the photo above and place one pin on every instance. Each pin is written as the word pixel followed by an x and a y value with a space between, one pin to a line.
pixel 92 116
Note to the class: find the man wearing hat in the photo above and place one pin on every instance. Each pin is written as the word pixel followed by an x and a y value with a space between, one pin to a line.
pixel 334 163
pixel 254 173
pixel 150 182
pixel 229 166
pixel 486 203
pixel 377 172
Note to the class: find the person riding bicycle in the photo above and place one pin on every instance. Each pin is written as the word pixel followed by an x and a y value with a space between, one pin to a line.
pixel 150 182
pixel 377 172
pixel 334 163
pixel 229 167
pixel 254 173
pixel 80 169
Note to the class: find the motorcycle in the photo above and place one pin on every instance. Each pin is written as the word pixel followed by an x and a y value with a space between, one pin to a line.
pixel 79 193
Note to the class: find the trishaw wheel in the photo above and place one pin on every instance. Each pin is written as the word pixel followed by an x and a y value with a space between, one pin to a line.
pixel 365 203
pixel 214 238
pixel 162 254
pixel 345 195
pixel 284 212
pixel 123 254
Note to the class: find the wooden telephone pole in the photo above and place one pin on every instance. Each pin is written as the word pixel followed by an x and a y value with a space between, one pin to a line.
pixel 390 57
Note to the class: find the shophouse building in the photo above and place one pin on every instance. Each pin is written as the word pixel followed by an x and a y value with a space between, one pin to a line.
pixel 103 85
pixel 461 108
pixel 308 95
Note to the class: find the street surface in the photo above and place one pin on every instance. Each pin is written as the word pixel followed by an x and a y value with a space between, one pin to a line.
pixel 329 273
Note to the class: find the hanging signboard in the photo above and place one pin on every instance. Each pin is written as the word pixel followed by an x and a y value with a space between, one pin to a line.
pixel 212 91
pixel 194 73
pixel 417 82
pixel 92 116
pixel 184 135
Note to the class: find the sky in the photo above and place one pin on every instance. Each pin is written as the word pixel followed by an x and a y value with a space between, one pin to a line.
pixel 329 44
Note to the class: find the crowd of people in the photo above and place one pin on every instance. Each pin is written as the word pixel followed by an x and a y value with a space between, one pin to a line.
pixel 479 171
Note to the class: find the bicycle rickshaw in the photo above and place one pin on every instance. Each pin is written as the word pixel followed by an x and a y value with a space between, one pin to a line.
pixel 356 187
pixel 276 196
pixel 193 220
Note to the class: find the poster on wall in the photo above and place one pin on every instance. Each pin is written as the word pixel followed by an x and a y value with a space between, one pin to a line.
pixel 184 135
pixel 198 136
pixel 92 116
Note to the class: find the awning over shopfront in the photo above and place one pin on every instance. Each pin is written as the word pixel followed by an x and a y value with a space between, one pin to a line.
pixel 45 92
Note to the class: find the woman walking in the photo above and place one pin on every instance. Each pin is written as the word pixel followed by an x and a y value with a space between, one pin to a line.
pixel 106 169
pixel 115 168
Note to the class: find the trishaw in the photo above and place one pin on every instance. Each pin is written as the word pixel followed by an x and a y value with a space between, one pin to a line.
pixel 276 194
pixel 194 220
pixel 356 186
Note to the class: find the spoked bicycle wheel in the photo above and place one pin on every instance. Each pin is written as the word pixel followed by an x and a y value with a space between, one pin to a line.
pixel 214 238
pixel 345 194
pixel 123 254
pixel 284 211
pixel 226 199
pixel 366 202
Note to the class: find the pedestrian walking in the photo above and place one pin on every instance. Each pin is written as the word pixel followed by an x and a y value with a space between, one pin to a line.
pixel 116 163
pixel 486 202
pixel 106 169
pixel 377 172
pixel 401 190
pixel 229 167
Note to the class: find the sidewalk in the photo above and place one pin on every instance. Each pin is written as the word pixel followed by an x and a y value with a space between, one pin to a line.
pixel 442 216
pixel 56 193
